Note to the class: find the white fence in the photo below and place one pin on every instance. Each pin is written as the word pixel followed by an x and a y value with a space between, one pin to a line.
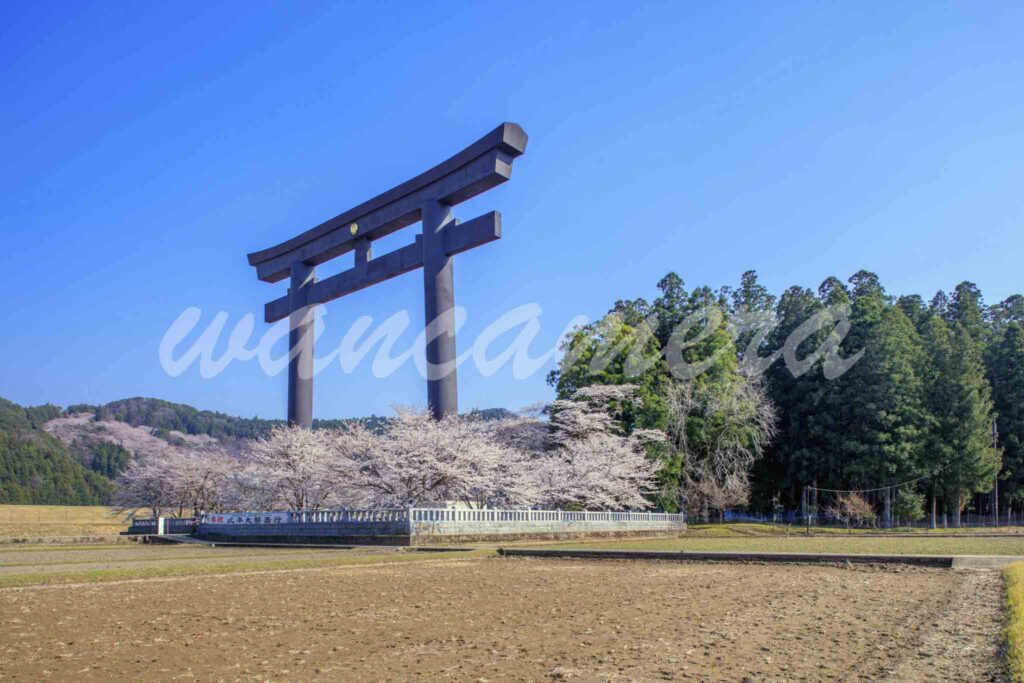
pixel 427 522
pixel 413 523
pixel 415 514
pixel 558 516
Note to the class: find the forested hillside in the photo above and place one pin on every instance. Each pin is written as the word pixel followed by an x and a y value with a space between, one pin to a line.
pixel 37 468
pixel 925 381
pixel 71 457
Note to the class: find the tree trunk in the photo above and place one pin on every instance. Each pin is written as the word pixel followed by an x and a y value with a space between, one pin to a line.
pixel 957 504
pixel 887 509
pixel 934 521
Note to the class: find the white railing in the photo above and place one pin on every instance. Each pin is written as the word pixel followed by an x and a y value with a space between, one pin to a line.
pixel 417 514
pixel 496 515
pixel 335 516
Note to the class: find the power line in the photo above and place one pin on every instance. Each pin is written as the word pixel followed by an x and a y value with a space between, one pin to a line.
pixel 893 486
pixel 883 488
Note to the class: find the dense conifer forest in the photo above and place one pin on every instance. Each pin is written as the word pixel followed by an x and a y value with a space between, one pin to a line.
pixel 929 379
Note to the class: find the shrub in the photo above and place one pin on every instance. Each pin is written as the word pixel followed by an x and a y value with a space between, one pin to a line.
pixel 908 505
pixel 853 510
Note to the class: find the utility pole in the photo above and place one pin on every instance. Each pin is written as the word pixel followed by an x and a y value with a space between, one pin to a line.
pixel 807 511
pixel 995 489
pixel 814 501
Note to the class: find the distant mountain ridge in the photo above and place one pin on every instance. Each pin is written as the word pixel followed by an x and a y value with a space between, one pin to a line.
pixel 165 416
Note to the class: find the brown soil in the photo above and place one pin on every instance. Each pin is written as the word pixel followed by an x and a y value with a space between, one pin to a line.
pixel 960 645
pixel 28 560
pixel 512 619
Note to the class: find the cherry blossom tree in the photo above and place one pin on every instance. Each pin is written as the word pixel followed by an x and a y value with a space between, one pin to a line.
pixel 579 459
pixel 175 480
pixel 199 479
pixel 595 409
pixel 146 483
pixel 524 432
pixel 592 463
pixel 417 460
pixel 294 467
pixel 247 487
pixel 602 471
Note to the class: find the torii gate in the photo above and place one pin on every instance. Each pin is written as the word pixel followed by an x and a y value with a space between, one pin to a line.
pixel 427 198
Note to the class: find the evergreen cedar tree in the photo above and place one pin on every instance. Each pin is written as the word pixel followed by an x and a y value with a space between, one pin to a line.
pixel 920 399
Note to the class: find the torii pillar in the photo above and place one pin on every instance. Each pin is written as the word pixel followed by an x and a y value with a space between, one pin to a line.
pixel 300 347
pixel 439 317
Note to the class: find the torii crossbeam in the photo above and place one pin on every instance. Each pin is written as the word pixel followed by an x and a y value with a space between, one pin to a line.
pixel 427 198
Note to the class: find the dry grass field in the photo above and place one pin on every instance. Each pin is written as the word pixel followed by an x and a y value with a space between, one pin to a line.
pixel 40 521
pixel 1014 631
pixel 229 614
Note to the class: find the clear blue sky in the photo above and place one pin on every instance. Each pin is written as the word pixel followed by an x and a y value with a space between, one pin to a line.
pixel 147 147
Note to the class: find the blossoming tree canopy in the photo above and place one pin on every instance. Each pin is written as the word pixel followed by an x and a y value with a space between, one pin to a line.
pixel 578 459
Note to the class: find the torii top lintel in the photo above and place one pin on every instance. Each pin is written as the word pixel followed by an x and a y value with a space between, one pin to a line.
pixel 479 167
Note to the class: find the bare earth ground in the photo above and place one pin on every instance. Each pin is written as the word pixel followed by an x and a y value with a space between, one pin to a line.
pixel 35 565
pixel 960 545
pixel 960 647
pixel 512 619
pixel 39 562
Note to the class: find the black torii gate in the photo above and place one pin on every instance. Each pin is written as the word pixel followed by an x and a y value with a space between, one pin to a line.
pixel 427 198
